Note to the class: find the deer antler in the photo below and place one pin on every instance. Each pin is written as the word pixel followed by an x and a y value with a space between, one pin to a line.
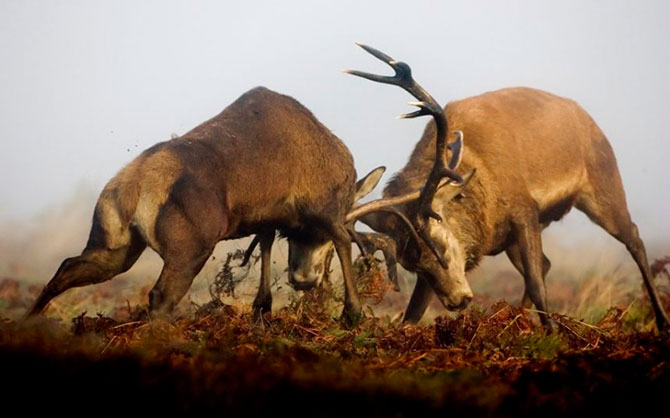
pixel 427 106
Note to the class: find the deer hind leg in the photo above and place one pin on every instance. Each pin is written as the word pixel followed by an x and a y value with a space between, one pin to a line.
pixel 174 281
pixel 515 257
pixel 94 265
pixel 263 300
pixel 184 247
pixel 529 241
pixel 608 209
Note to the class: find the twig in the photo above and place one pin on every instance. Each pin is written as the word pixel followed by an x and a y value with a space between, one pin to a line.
pixel 316 334
pixel 473 336
pixel 572 331
pixel 414 360
pixel 108 344
pixel 416 340
pixel 127 324
pixel 503 308
pixel 627 309
pixel 508 325
pixel 593 327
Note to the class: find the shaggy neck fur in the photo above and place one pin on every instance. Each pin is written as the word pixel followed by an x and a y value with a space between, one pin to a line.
pixel 466 215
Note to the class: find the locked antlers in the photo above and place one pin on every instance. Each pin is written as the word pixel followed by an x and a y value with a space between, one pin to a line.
pixel 427 106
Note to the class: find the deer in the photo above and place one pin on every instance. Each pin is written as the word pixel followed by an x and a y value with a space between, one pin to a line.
pixel 264 164
pixel 531 157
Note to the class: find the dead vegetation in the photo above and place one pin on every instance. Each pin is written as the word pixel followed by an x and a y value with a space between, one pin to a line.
pixel 493 361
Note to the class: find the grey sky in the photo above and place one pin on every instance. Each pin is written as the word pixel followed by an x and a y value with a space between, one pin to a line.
pixel 85 86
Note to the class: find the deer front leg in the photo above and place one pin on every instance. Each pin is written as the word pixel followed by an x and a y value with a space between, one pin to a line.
pixel 515 257
pixel 530 249
pixel 418 303
pixel 351 313
pixel 263 300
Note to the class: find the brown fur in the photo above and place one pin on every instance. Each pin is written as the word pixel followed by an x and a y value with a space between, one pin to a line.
pixel 536 156
pixel 264 163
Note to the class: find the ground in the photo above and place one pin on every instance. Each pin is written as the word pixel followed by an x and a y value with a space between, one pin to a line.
pixel 493 360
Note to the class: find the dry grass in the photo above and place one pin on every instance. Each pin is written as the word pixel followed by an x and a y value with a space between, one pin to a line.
pixel 492 360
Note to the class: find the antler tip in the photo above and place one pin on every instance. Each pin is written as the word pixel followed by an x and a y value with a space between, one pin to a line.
pixel 411 115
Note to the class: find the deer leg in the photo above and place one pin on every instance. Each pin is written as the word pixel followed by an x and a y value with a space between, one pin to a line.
pixel 352 305
pixel 418 303
pixel 529 240
pixel 249 251
pixel 184 248
pixel 610 216
pixel 175 280
pixel 263 300
pixel 636 249
pixel 515 257
pixel 94 265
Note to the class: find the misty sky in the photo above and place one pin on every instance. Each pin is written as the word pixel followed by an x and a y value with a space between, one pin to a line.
pixel 85 86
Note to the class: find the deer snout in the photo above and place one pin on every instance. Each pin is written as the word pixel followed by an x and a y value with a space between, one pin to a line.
pixel 304 281
pixel 460 298
pixel 465 301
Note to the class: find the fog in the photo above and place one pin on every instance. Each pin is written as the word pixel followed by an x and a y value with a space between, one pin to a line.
pixel 85 86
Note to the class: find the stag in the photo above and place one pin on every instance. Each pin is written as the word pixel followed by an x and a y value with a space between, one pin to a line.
pixel 264 164
pixel 536 156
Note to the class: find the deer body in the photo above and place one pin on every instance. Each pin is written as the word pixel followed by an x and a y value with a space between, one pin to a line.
pixel 532 152
pixel 536 156
pixel 263 164
pixel 531 156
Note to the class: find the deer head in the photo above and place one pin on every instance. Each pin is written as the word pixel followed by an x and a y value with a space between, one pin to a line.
pixel 435 255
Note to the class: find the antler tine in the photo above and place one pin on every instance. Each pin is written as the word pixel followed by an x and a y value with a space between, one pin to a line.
pixel 370 207
pixel 395 79
pixel 376 53
pixel 356 237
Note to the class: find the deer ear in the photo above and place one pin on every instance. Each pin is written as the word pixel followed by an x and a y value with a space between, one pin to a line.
pixel 450 190
pixel 365 185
